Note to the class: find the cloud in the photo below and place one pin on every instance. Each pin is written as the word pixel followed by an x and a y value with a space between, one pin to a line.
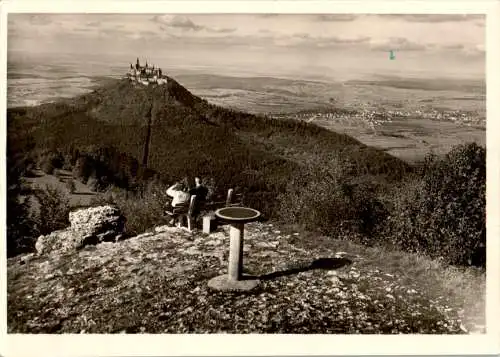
pixel 114 32
pixel 177 21
pixel 94 24
pixel 306 40
pixel 332 39
pixel 433 17
pixel 184 23
pixel 398 44
pixel 83 29
pixel 40 20
pixel 220 30
pixel 336 17
pixel 267 15
pixel 456 46
pixel 479 48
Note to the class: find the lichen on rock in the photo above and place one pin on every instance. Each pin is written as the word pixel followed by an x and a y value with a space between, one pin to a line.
pixel 87 226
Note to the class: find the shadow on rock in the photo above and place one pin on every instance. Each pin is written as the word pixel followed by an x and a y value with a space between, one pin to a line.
pixel 321 263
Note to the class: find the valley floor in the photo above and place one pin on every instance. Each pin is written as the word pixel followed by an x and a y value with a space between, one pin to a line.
pixel 409 139
pixel 157 283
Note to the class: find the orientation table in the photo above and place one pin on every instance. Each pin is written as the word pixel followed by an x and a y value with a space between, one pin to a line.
pixel 234 280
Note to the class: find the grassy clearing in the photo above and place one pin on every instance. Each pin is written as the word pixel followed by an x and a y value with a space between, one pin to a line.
pixel 81 197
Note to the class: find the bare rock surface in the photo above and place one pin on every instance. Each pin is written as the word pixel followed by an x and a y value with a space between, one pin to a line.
pixel 87 226
pixel 158 283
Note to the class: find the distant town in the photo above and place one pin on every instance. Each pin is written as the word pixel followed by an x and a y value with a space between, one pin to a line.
pixel 376 118
pixel 146 74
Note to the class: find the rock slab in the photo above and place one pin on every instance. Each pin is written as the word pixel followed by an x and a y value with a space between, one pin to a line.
pixel 225 284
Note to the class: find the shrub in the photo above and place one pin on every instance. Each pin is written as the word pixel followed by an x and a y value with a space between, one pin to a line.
pixel 82 168
pixel 93 183
pixel 53 213
pixel 70 185
pixel 330 205
pixel 443 213
pixel 143 210
pixel 19 162
pixel 21 234
pixel 49 161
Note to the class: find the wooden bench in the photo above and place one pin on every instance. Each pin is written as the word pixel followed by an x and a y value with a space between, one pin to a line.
pixel 184 211
pixel 189 212
pixel 209 219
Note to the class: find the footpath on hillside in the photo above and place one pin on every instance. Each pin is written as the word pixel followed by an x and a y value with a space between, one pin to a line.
pixel 157 283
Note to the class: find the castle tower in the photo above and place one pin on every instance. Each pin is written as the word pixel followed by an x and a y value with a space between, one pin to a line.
pixel 137 65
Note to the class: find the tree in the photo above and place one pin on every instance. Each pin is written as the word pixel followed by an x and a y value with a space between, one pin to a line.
pixel 20 224
pixel 54 210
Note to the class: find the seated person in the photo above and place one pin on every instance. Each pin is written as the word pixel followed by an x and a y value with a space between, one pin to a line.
pixel 201 193
pixel 180 195
pixel 199 190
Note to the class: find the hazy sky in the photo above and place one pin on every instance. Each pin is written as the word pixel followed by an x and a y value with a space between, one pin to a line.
pixel 431 44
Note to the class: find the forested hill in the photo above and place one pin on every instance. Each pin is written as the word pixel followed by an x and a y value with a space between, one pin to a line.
pixel 123 102
pixel 189 136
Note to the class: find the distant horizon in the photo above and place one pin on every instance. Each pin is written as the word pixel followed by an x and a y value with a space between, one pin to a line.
pixel 340 46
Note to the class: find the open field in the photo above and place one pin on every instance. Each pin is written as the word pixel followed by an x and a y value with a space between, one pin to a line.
pixel 80 198
pixel 409 139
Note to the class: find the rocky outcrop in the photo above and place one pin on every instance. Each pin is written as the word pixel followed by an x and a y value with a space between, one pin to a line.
pixel 157 282
pixel 88 226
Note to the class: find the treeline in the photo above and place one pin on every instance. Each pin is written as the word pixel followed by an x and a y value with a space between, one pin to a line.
pixel 100 167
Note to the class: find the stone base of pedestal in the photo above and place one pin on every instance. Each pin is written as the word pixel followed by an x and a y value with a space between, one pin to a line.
pixel 223 283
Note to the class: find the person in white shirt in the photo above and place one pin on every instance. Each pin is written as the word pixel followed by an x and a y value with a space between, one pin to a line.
pixel 179 193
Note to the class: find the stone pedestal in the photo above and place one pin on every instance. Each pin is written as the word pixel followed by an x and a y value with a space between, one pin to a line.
pixel 209 223
pixel 236 234
pixel 234 280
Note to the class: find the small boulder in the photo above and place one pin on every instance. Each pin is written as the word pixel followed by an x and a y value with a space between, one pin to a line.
pixel 103 222
pixel 61 241
pixel 88 227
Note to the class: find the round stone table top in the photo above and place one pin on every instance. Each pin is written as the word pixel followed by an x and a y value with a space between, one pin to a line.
pixel 237 214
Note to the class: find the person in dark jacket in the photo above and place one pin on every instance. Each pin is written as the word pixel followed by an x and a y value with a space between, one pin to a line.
pixel 199 190
pixel 201 193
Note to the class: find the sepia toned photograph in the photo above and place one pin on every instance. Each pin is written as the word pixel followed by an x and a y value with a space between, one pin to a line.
pixel 268 173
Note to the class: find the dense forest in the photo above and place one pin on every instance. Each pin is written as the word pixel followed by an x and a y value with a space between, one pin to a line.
pixel 292 171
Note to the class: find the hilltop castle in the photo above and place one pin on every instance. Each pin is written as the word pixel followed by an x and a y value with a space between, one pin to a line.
pixel 146 74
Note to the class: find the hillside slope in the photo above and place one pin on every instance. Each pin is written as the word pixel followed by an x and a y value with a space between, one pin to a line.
pixel 189 137
pixel 308 285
